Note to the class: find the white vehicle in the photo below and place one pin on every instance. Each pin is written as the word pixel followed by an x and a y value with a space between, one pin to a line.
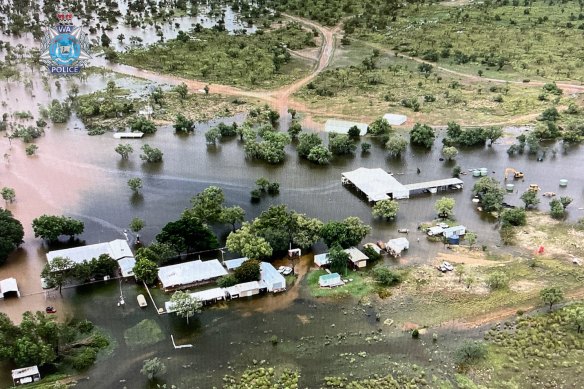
pixel 284 270
pixel 443 225
pixel 447 266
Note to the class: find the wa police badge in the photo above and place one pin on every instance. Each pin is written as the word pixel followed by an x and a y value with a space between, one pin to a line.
pixel 65 48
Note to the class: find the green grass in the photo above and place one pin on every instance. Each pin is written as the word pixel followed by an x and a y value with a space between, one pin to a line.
pixel 143 334
pixel 361 285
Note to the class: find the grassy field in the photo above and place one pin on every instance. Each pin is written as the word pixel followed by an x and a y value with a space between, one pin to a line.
pixel 540 40
pixel 260 60
pixel 361 285
pixel 349 88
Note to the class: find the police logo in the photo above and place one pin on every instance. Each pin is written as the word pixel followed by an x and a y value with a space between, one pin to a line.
pixel 65 48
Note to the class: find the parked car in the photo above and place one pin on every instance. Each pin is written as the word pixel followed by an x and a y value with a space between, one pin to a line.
pixel 285 270
pixel 50 310
pixel 447 266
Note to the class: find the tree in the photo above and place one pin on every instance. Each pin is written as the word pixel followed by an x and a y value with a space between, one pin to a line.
pixel 31 149
pixel 151 154
pixel 493 133
pixel 346 233
pixel 470 353
pixel 557 209
pixel 445 207
pixel 246 243
pixel 551 295
pixel 184 124
pixel 306 143
pixel 248 271
pixel 208 205
pixel 341 144
pixel 188 234
pixel 460 271
pixel 379 126
pixel 396 145
pixel 135 184
pixel 184 304
pixel 386 277
pixel 145 270
pixel 153 368
pixel 449 152
pixel 105 40
pixel 354 132
pixel 365 147
pixel 565 201
pixel 513 217
pixel 292 113
pixel 471 238
pixel 498 280
pixel 262 183
pixel 50 227
pixel 490 193
pixel 576 315
pixel 8 194
pixel 320 155
pixel 142 124
pixel 57 272
pixel 161 252
pixel 469 280
pixel 232 216
pixel 12 234
pixel 181 90
pixel 136 224
pixel 422 135
pixel 124 150
pixel 295 129
pixel 338 259
pixel 530 199
pixel 212 136
pixel 386 209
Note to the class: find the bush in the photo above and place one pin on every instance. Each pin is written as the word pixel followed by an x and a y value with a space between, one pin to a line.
pixel 226 281
pixel 498 281
pixel 513 217
pixel 273 188
pixel 84 359
pixel 256 195
pixel 371 254
pixel 386 277
pixel 85 326
pixel 470 353
pixel 415 333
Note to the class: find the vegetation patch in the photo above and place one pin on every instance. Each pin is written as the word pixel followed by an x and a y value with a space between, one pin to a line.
pixel 360 286
pixel 145 333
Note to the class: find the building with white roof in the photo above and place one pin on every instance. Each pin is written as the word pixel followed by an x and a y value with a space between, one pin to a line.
pixel 127 266
pixel 395 119
pixel 357 257
pixel 26 375
pixel 343 126
pixel 271 278
pixel 191 273
pixel 8 286
pixel 245 289
pixel 396 246
pixel 232 264
pixel 206 297
pixel 116 249
pixel 321 260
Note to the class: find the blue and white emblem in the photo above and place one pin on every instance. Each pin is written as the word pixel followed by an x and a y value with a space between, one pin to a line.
pixel 65 49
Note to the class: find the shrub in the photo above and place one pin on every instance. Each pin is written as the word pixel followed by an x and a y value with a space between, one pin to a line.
pixel 84 359
pixel 498 281
pixel 386 277
pixel 371 254
pixel 513 217
pixel 85 326
pixel 470 353
pixel 226 281
pixel 415 333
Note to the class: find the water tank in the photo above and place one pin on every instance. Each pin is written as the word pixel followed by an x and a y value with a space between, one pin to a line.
pixel 484 171
pixel 563 182
pixel 510 187
pixel 454 239
pixel 476 173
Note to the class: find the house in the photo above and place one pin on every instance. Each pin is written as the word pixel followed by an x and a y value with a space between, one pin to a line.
pixel 26 375
pixel 271 279
pixel 330 280
pixel 396 246
pixel 116 249
pixel 456 230
pixel 184 275
pixel 356 256
pixel 9 287
pixel 127 266
pixel 436 230
pixel 321 260
pixel 243 290
pixel 233 264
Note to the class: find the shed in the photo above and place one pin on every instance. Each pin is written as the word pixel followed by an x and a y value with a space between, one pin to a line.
pixel 456 230
pixel 330 280
pixel 191 273
pixel 396 246
pixel 210 295
pixel 395 119
pixel 127 266
pixel 8 286
pixel 232 264
pixel 357 257
pixel 117 249
pixel 321 260
pixel 26 375
pixel 374 246
pixel 243 290
pixel 343 126
pixel 436 230
pixel 376 184
pixel 271 279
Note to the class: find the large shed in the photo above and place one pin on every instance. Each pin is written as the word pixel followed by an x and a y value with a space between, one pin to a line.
pixel 321 260
pixel 191 273
pixel 117 249
pixel 243 290
pixel 376 184
pixel 271 279
pixel 9 286
pixel 357 257
pixel 127 266
pixel 343 126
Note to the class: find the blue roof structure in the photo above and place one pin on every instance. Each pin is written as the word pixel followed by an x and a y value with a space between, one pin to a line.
pixel 232 264
pixel 332 279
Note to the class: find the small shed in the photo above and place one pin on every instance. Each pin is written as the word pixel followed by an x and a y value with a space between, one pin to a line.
pixel 321 260
pixel 456 230
pixel 436 230
pixel 210 296
pixel 271 279
pixel 232 264
pixel 357 257
pixel 26 375
pixel 243 290
pixel 373 246
pixel 396 246
pixel 127 266
pixel 330 280
pixel 9 287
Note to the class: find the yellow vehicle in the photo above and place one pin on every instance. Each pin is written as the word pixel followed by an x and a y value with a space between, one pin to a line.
pixel 516 174
pixel 534 188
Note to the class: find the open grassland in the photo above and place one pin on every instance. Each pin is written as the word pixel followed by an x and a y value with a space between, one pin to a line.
pixel 507 39
pixel 260 60
pixel 364 85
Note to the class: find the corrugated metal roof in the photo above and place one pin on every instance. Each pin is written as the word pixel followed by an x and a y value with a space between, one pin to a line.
pixel 235 263
pixel 376 183
pixel 244 287
pixel 117 249
pixel 190 272
pixel 395 119
pixel 434 184
pixel 342 126
pixel 8 285
pixel 271 277
pixel 356 255
pixel 127 266
pixel 398 244
pixel 25 372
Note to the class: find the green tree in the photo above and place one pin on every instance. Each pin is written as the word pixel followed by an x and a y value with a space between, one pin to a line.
pixel 379 126
pixel 365 147
pixel 124 150
pixel 137 224
pixel 530 199
pixel 338 259
pixel 460 271
pixel 142 124
pixel 135 184
pixel 58 271
pixel 181 90
pixel 31 149
pixel 153 368
pixel 246 243
pixel 295 129
pixel 248 271
pixel 396 145
pixel 50 227
pixel 105 40
pixel 565 201
pixel 470 353
pixel 557 209
pixel 493 133
pixel 346 233
pixel 341 144
pixel 232 216
pixel 161 252
pixel 207 205
pixel 188 234
pixel 498 280
pixel 386 209
pixel 551 295
pixel 151 154
pixel 576 315
pixel 212 136
pixel 490 193
pixel 306 143
pixel 262 183
pixel 470 238
pixel 445 207
pixel 449 152
pixel 12 234
pixel 185 305
pixel 354 132
pixel 386 277
pixel 184 124
pixel 513 217
pixel 320 155
pixel 145 270
pixel 422 135
pixel 8 194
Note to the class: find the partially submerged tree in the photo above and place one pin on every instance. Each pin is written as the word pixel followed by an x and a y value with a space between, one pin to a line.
pixel 248 271
pixel 145 270
pixel 445 207
pixel 232 216
pixel 557 210
pixel 490 193
pixel 153 368
pixel 12 234
pixel 396 145
pixel 185 305
pixel 385 209
pixel 50 227
pixel 151 154
pixel 8 194
pixel 422 135
pixel 124 150
pixel 137 224
pixel 245 242
pixel 530 199
pixel 57 272
pixel 338 259
pixel 346 233
pixel 449 152
pixel 135 184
